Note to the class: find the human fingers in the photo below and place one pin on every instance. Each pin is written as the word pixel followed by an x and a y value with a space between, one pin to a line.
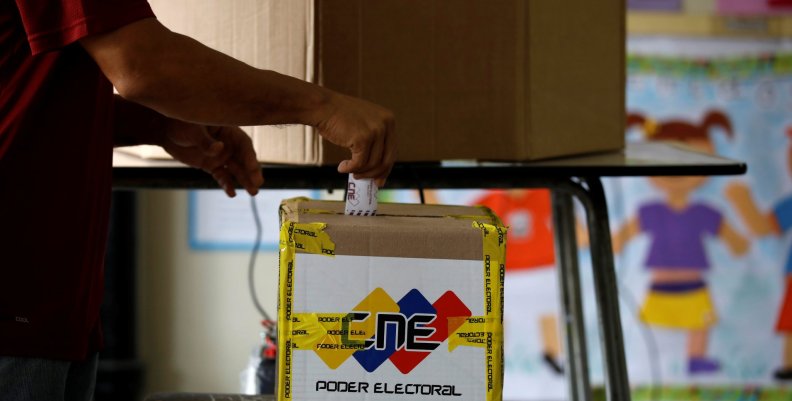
pixel 255 178
pixel 244 177
pixel 390 153
pixel 224 179
pixel 200 136
pixel 251 166
pixel 381 172
pixel 236 163
pixel 374 167
pixel 246 162
pixel 211 146
pixel 214 149
pixel 354 164
pixel 384 177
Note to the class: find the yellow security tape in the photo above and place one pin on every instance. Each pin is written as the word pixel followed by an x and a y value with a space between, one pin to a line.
pixel 309 238
pixel 494 238
pixel 318 211
pixel 486 214
pixel 494 217
pixel 474 331
pixel 306 331
pixel 466 216
pixel 286 273
pixel 330 335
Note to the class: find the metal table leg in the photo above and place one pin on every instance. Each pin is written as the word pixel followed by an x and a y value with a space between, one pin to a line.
pixel 569 283
pixel 590 193
pixel 592 197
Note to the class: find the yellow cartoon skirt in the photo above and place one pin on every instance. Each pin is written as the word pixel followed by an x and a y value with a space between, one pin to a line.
pixel 679 306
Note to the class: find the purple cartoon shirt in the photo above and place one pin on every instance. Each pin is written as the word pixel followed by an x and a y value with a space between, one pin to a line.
pixel 678 235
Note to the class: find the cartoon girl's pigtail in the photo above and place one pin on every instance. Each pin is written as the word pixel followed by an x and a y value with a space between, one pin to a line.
pixel 715 118
pixel 648 125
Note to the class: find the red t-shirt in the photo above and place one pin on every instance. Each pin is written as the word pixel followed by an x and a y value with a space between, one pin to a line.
pixel 55 173
pixel 528 214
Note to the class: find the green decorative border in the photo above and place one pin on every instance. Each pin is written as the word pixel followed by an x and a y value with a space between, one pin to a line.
pixel 705 393
pixel 733 67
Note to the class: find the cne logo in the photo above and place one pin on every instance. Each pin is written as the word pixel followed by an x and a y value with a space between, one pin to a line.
pixel 380 329
pixel 352 197
pixel 412 332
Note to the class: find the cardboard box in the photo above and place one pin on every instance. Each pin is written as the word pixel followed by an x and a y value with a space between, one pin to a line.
pixel 467 79
pixel 408 303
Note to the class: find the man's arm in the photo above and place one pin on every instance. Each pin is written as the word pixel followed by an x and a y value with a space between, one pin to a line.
pixel 185 80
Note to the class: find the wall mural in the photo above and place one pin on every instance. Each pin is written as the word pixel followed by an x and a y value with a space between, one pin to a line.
pixel 703 263
pixel 717 276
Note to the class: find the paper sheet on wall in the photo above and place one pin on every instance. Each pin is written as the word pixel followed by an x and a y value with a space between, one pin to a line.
pixel 217 222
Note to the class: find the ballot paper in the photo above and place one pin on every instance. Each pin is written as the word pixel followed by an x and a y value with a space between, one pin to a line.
pixel 361 197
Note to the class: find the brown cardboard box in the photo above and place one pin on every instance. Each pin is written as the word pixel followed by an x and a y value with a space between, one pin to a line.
pixel 467 79
pixel 432 274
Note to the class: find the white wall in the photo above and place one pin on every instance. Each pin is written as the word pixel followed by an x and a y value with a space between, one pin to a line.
pixel 197 323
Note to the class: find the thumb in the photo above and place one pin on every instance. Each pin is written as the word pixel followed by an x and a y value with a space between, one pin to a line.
pixel 209 145
pixel 188 135
pixel 353 164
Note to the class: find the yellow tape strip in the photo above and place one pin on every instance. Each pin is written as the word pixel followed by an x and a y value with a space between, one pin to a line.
pixel 309 238
pixel 307 331
pixel 317 211
pixel 286 284
pixel 332 336
pixel 494 238
pixel 495 219
pixel 474 331
pixel 466 216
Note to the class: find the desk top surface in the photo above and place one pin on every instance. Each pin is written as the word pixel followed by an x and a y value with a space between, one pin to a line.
pixel 637 159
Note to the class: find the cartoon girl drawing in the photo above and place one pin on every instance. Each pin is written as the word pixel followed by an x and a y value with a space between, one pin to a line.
pixel 775 222
pixel 678 297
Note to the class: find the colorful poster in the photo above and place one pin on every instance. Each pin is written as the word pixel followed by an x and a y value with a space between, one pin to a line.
pixel 703 263
pixel 753 7
pixel 704 258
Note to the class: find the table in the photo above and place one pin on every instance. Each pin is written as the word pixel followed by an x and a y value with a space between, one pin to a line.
pixel 567 178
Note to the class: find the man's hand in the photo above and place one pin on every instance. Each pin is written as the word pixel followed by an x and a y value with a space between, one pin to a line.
pixel 225 152
pixel 364 128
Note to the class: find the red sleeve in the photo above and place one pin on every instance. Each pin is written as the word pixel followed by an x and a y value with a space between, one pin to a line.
pixel 53 24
